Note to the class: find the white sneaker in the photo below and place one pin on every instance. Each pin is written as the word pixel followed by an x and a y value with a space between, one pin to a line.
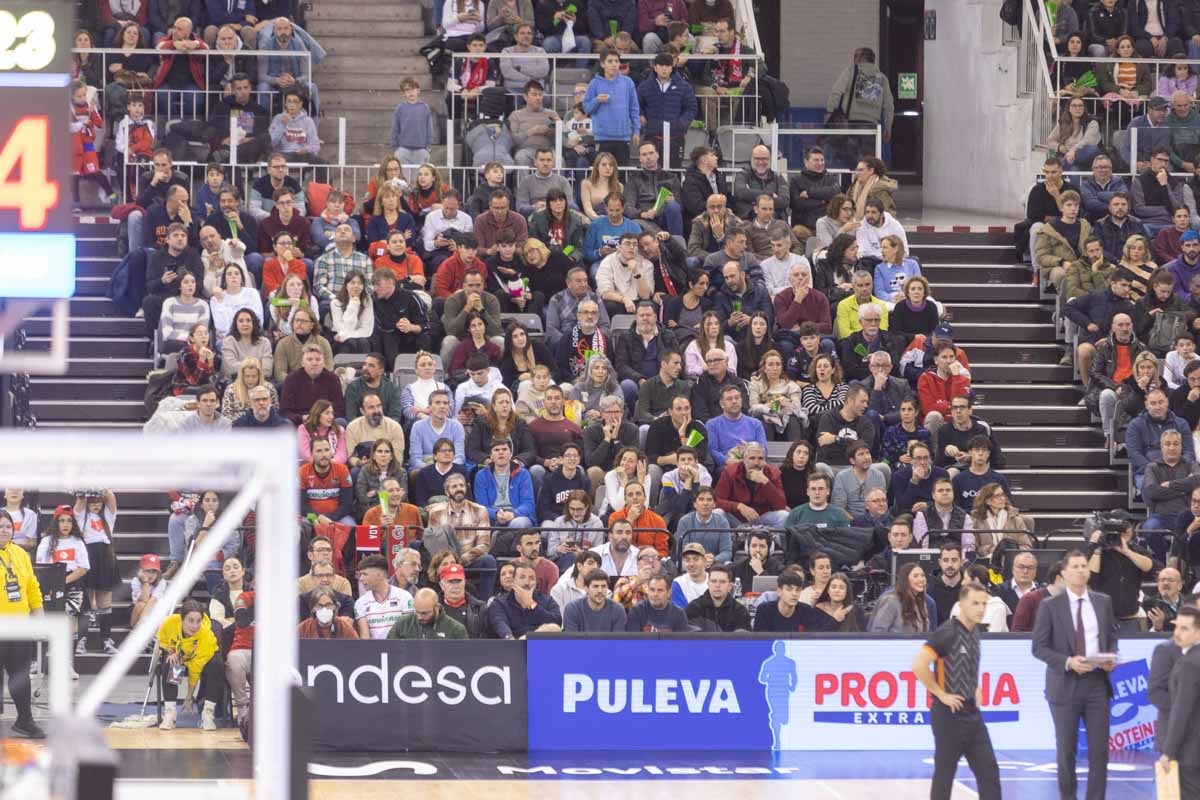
pixel 81 647
pixel 168 719
pixel 207 714
pixel 110 649
pixel 74 674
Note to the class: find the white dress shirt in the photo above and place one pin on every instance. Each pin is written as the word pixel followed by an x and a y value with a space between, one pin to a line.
pixel 1091 625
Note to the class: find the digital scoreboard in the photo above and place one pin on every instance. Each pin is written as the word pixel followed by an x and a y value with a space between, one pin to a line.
pixel 37 241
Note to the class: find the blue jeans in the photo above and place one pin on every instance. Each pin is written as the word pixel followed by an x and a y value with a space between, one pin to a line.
pixel 483 570
pixel 553 44
pixel 672 218
pixel 1083 157
pixel 136 223
pixel 537 473
pixel 630 390
pixel 254 263
pixel 177 536
pixel 773 519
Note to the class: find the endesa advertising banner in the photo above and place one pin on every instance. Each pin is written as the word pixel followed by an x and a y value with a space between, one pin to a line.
pixel 391 695
pixel 797 694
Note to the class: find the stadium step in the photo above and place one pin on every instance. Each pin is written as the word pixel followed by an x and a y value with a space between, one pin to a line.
pixel 1034 373
pixel 395 36
pixel 968 272
pixel 999 313
pixel 1067 480
pixel 72 389
pixel 1033 393
pixel 1050 436
pixel 85 327
pixel 367 12
pixel 1019 353
pixel 97 347
pixel 956 293
pixel 91 410
pixel 969 254
pixel 1053 456
pixel 1021 413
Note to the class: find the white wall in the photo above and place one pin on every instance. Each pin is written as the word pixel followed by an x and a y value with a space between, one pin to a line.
pixel 818 40
pixel 976 136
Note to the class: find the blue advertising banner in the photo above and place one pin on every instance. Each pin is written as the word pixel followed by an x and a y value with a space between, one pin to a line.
pixel 797 694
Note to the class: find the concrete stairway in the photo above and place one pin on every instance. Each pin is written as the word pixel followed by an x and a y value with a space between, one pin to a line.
pixel 372 47
pixel 1057 460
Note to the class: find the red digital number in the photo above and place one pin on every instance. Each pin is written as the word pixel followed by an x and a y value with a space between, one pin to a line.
pixel 32 194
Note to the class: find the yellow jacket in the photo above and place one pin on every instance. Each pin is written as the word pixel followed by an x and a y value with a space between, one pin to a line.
pixel 14 559
pixel 194 651
pixel 847 316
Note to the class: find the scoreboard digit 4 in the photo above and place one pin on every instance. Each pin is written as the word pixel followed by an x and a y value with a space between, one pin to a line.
pixel 37 242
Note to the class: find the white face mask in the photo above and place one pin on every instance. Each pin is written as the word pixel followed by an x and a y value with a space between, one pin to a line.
pixel 324 615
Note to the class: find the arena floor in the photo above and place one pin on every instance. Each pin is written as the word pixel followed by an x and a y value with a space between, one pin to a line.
pixel 191 763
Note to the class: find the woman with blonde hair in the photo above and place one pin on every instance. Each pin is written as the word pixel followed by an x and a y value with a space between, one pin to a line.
pixel 992 512
pixel 775 400
pixel 599 184
pixel 1135 259
pixel 237 394
pixel 389 215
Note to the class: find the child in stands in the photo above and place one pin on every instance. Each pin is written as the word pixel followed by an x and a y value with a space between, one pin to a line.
pixel 85 123
pixel 134 139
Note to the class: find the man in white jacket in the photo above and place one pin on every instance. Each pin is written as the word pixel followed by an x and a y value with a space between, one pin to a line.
pixel 877 224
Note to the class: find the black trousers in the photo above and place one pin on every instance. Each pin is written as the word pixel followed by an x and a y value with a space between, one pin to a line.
pixel 1189 780
pixel 14 658
pixel 619 151
pixel 212 682
pixel 1090 701
pixel 957 735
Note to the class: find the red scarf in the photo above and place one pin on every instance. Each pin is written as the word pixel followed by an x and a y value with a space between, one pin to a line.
pixel 730 72
pixel 474 73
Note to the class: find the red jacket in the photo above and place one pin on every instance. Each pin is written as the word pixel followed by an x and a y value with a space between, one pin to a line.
pixel 449 278
pixel 935 392
pixel 733 487
pixel 195 63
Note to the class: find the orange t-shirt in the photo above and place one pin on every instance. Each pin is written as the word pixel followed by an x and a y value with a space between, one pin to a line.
pixel 658 539
pixel 1124 363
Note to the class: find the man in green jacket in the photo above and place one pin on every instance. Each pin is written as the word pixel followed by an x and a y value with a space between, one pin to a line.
pixel 427 621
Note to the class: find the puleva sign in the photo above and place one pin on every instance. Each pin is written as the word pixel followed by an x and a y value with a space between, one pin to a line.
pixel 802 694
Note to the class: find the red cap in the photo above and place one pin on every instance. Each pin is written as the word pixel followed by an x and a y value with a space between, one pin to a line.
pixel 64 511
pixel 150 561
pixel 451 572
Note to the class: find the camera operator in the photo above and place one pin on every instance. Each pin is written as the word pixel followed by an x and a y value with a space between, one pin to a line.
pixel 1162 610
pixel 1117 568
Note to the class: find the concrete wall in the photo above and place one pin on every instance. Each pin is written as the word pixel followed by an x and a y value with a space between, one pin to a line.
pixel 817 41
pixel 976 138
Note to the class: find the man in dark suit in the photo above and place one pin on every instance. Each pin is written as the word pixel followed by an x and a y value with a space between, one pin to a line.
pixel 1072 627
pixel 1166 655
pixel 1023 581
pixel 1182 737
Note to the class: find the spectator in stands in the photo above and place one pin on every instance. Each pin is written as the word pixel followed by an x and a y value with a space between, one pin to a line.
pixel 1144 434
pixel 1041 207
pixel 760 559
pixel 173 210
pixel 428 620
pixel 460 20
pixel 656 612
pixel 535 67
pixel 1167 244
pixel 912 485
pixel 381 606
pixel 1185 400
pixel 915 314
pixel 249 375
pixel 325 488
pixel 290 350
pixel 878 224
pixel 731 430
pixel 811 191
pixel 940 525
pixel 709 231
pixel 848 309
pixel 1167 485
pixel 457 603
pixel 188 642
pixel 955 440
pixel 1090 274
pixel 725 78
pixel 533 189
pixel 368 429
pixel 738 296
pixel 294 133
pixel 164 270
pixel 1098 189
pixel 1155 194
pixel 800 303
pixel 263 412
pixel 1187 266
pixel 287 69
pixel 898 436
pixel 1060 242
pixel 850 486
pixel 797 467
pixel 287 217
pixel 716 609
pixel 875 514
pixel 1076 136
pixel 595 612
pixel 1156 28
pixel 253 140
pixel 750 490
pixel 577 352
pixel 532 125
pixel 1109 363
pixel 180 76
pixel 1095 314
pixel 505 488
pixel 401 320
pixel 775 400
pixel 523 609
pixel 856 350
pixel 623 277
pixel 666 97
pixel 180 313
pixel 701 180
pixel 466 304
pixel 446 231
pixel 411 135
pixel 492 225
pixel 1175 366
pixel 562 312
pixel 838 429
pixel 232 223
pixel 262 191
pixel 973 478
pixel 1135 260
pixel 824 390
pixel 759 179
pixel 555 18
pixel 428 481
pixel 612 103
pixel 818 511
pixel 694 580
pixel 938 386
pixel 734 247
pixel 351 307
pixel 310 383
pixel 1160 315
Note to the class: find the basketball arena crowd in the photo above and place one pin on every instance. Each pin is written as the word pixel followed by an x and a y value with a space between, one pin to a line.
pixel 580 391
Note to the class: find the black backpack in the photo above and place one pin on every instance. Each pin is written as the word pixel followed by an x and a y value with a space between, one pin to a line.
pixel 1010 12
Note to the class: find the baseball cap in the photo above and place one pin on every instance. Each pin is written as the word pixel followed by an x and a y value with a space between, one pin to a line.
pixel 943 331
pixel 452 572
pixel 694 547
pixel 64 511
pixel 1157 102
pixel 150 561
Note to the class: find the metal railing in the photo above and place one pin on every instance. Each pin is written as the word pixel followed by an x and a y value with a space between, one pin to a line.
pixel 161 99
pixel 1033 73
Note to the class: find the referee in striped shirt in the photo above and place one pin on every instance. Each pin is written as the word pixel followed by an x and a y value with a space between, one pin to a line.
pixel 958 727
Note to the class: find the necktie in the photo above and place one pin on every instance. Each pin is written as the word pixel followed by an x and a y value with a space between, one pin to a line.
pixel 1080 639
